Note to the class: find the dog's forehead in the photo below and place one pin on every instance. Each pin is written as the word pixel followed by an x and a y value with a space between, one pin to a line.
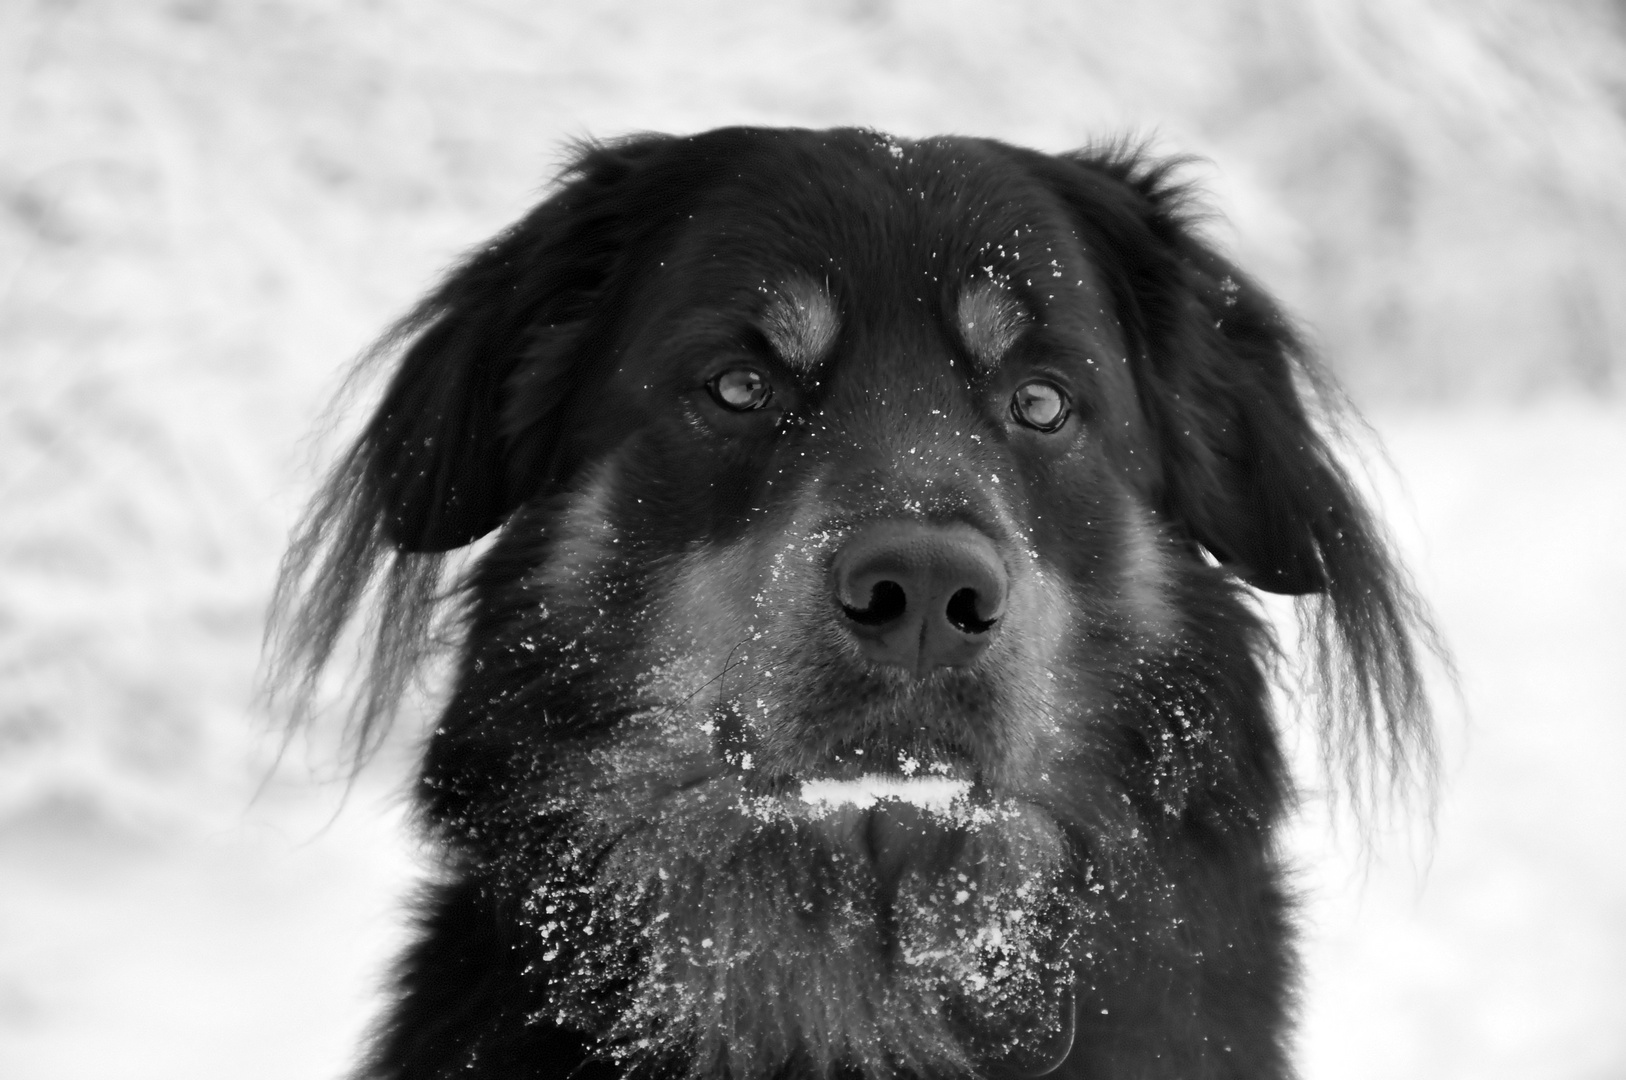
pixel 924 233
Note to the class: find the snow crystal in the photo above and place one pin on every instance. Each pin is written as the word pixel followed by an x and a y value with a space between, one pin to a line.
pixel 935 793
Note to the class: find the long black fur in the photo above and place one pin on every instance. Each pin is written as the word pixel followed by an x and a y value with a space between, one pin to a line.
pixel 649 665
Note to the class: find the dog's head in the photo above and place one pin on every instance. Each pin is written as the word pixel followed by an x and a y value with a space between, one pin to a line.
pixel 864 637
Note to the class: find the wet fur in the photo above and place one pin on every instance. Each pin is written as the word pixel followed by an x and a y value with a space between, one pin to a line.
pixel 649 663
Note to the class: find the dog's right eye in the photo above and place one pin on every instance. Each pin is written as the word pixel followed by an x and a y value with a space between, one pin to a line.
pixel 741 389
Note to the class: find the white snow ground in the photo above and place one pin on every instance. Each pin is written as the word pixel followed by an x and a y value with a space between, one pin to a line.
pixel 206 208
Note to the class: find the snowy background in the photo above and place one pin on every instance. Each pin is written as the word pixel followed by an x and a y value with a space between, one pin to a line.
pixel 206 209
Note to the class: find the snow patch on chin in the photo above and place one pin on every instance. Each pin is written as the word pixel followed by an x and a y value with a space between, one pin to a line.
pixel 936 794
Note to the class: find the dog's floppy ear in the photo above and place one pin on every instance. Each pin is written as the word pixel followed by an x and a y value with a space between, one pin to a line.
pixel 1244 469
pixel 464 429
pixel 1223 378
pixel 1218 369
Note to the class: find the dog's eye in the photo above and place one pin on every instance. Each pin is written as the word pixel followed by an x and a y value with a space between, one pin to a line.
pixel 741 389
pixel 1040 405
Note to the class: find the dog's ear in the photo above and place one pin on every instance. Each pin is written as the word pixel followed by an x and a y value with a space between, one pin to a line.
pixel 1244 469
pixel 466 429
pixel 1223 380
pixel 1218 369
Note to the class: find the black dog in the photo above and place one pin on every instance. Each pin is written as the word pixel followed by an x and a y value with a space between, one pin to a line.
pixel 863 679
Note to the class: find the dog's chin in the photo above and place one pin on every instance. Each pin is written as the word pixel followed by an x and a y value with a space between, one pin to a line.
pixel 872 923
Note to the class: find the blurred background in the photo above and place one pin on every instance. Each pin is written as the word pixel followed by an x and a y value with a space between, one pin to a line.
pixel 208 209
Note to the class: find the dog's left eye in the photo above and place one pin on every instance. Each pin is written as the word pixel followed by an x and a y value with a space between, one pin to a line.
pixel 741 389
pixel 1040 405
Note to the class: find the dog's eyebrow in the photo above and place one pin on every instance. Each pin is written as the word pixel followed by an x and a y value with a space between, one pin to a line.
pixel 990 320
pixel 800 323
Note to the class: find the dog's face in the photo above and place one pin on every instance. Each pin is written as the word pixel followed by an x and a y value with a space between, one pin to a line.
pixel 868 491
pixel 861 672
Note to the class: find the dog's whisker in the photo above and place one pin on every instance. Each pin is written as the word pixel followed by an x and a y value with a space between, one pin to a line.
pixel 722 673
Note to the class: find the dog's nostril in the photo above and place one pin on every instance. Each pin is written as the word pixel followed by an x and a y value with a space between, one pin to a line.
pixel 887 601
pixel 963 614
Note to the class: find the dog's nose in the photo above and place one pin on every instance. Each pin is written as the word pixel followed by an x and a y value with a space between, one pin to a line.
pixel 919 596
